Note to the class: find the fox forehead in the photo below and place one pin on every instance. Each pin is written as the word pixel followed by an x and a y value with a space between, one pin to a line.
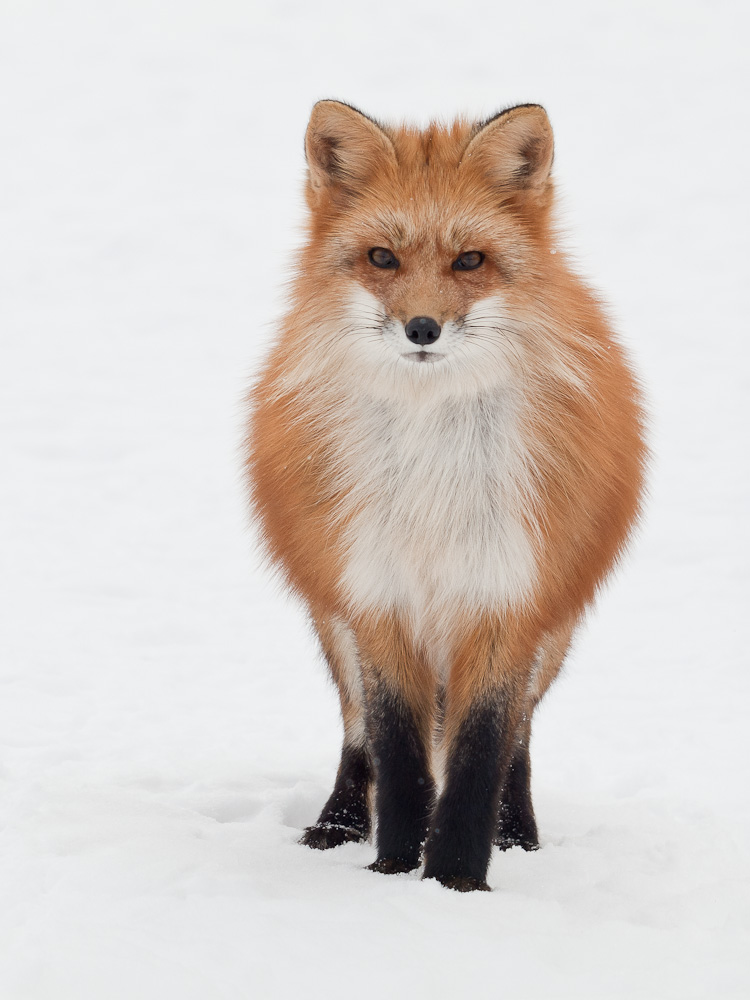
pixel 404 221
pixel 426 218
pixel 427 195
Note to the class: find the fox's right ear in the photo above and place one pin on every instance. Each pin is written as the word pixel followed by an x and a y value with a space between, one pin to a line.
pixel 343 149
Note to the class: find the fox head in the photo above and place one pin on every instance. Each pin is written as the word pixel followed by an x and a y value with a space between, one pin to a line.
pixel 430 253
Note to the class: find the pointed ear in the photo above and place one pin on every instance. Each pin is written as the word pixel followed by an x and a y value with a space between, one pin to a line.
pixel 515 148
pixel 344 148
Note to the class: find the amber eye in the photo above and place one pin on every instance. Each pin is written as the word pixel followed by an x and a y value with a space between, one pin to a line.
pixel 468 261
pixel 383 258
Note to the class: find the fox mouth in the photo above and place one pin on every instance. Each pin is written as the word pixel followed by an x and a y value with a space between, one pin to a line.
pixel 423 356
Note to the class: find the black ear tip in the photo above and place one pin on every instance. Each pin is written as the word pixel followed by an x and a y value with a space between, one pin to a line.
pixel 330 103
pixel 333 104
pixel 506 111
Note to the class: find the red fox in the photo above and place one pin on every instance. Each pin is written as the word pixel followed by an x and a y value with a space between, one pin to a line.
pixel 445 460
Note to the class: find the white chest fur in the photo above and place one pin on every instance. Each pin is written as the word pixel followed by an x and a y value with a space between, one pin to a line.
pixel 434 496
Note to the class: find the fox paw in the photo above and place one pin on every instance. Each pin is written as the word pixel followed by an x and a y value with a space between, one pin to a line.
pixel 392 866
pixel 323 836
pixel 462 883
pixel 507 840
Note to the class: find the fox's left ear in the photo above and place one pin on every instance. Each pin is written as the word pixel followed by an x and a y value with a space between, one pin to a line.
pixel 515 148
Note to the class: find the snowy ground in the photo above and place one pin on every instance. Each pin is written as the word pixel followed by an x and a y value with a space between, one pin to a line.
pixel 166 728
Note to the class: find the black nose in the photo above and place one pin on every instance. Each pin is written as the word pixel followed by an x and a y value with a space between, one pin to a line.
pixel 422 330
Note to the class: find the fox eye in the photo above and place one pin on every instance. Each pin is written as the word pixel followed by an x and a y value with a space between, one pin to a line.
pixel 381 257
pixel 468 261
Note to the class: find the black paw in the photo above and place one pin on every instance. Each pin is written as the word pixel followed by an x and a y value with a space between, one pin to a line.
pixel 507 840
pixel 323 836
pixel 392 866
pixel 462 883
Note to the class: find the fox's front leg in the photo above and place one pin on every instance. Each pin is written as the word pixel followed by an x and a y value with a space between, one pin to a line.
pixel 400 707
pixel 516 822
pixel 516 825
pixel 346 815
pixel 484 709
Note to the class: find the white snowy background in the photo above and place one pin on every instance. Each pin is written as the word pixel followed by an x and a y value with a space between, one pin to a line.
pixel 166 726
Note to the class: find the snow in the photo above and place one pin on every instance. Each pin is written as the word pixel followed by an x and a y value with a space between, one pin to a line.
pixel 166 726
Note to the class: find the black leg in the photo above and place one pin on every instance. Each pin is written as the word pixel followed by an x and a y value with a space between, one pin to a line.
pixel 516 822
pixel 346 814
pixel 404 785
pixel 460 842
